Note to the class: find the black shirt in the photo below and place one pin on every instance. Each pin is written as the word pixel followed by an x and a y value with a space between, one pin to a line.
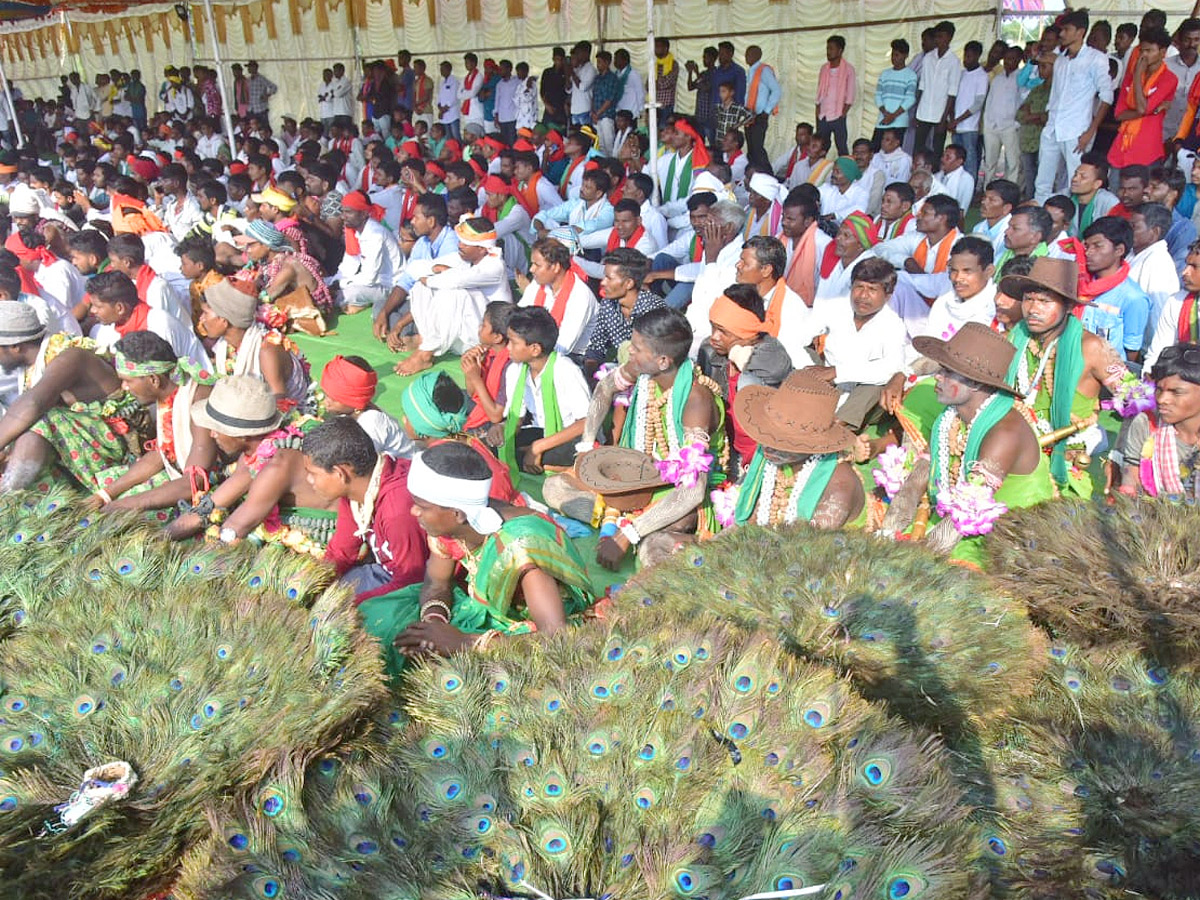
pixel 554 94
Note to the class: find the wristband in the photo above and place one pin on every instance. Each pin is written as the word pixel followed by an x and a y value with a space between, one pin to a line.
pixel 426 610
pixel 104 495
pixel 630 533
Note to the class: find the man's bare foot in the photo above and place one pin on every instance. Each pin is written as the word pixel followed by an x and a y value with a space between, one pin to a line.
pixel 405 343
pixel 418 362
pixel 353 310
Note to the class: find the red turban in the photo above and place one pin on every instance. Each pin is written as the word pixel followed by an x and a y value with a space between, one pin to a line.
pixel 700 157
pixel 343 381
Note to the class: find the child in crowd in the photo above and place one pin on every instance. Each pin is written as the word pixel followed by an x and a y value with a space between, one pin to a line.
pixel 349 385
pixel 483 368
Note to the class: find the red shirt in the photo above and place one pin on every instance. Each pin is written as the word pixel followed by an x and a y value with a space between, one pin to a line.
pixel 395 539
pixel 1144 144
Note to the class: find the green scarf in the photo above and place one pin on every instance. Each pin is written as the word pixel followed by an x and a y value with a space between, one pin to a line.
pixel 685 180
pixel 1040 250
pixel 810 494
pixel 423 413
pixel 1087 213
pixel 516 412
pixel 984 422
pixel 680 391
pixel 1068 369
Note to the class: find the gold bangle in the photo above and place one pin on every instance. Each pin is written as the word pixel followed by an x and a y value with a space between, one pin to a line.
pixel 425 610
pixel 484 639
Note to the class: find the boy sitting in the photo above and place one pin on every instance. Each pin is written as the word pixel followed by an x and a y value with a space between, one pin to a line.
pixel 349 384
pixel 483 367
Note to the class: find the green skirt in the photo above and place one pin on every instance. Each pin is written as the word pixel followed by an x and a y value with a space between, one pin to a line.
pixel 386 616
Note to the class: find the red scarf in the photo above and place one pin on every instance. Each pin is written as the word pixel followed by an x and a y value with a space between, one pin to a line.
pixel 733 157
pixel 467 83
pixel 352 245
pixel 365 179
pixel 792 160
pixel 830 259
pixel 614 240
pixel 559 309
pixel 528 196
pixel 493 375
pixel 407 205
pixel 566 178
pixel 136 321
pixel 1188 328
pixel 896 229
pixel 617 193
pixel 1090 288
pixel 145 275
pixel 29 284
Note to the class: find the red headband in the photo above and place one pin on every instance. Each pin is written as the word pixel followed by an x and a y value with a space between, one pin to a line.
pixel 493 143
pixel 435 169
pixel 700 157
pixel 494 184
pixel 359 201
pixel 412 148
pixel 346 383
pixel 479 168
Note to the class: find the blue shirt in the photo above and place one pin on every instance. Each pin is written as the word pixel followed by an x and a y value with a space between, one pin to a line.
pixel 446 243
pixel 489 102
pixel 896 89
pixel 1119 317
pixel 1181 235
pixel 769 91
pixel 1187 202
pixel 733 72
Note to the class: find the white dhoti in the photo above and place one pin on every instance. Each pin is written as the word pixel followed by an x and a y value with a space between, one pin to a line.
pixel 447 318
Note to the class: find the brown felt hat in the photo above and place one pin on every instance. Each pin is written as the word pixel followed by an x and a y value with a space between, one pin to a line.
pixel 1058 275
pixel 799 416
pixel 975 351
pixel 626 478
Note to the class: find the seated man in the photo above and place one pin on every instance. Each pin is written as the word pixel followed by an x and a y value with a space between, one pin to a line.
pixel 624 300
pixel 854 242
pixel 127 254
pixel 797 472
pixel 1162 447
pixel 547 397
pixel 672 406
pixel 245 346
pixel 483 368
pixel 972 294
pixel 924 256
pixel 349 383
pixel 183 452
pixel 447 304
pixel 1179 321
pixel 590 212
pixel 740 352
pixel 679 263
pixel 627 231
pixel 557 288
pixel 269 486
pixel 435 239
pixel 374 509
pixel 72 409
pixel 1150 266
pixel 980 440
pixel 865 344
pixel 521 573
pixel 1059 367
pixel 1029 227
pixel 118 312
pixel 1118 308
pixel 372 261
pixel 896 217
pixel 996 208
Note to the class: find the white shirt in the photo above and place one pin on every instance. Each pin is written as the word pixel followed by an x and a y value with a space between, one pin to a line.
pixel 391 198
pixel 581 94
pixel 1154 272
pixel 633 98
pixel 959 185
pixel 837 282
pixel 711 281
pixel 209 147
pixel 342 103
pixel 474 112
pixel 62 289
pixel 598 240
pixel 1165 329
pixel 839 205
pixel 1076 85
pixel 181 337
pixel 506 99
pixel 655 224
pixel 950 313
pixel 896 166
pixel 579 315
pixel 1003 99
pixel 486 279
pixel 388 435
pixel 325 100
pixel 870 355
pixel 448 97
pixel 972 89
pixel 570 389
pixel 938 82
pixel 378 264
pixel 1186 75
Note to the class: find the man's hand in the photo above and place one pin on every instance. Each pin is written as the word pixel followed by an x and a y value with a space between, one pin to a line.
pixel 912 267
pixel 892 397
pixel 532 461
pixel 432 637
pixel 1085 139
pixel 825 373
pixel 380 327
pixel 471 364
pixel 610 552
pixel 494 436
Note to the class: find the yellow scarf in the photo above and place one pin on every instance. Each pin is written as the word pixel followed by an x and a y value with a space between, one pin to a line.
pixel 665 65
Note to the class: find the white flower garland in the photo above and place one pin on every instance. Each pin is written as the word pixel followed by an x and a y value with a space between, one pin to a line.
pixel 767 491
pixel 946 425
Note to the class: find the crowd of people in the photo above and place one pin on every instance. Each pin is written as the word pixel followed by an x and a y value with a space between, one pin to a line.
pixel 909 331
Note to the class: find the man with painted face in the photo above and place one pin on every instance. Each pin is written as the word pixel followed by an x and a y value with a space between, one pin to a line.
pixel 1059 367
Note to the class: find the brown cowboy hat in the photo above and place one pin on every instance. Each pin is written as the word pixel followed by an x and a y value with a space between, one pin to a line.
pixel 796 417
pixel 975 351
pixel 626 478
pixel 1058 275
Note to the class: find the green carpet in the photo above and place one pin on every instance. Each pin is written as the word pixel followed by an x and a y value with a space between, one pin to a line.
pixel 351 336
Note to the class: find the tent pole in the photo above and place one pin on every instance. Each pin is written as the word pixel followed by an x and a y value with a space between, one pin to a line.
pixel 12 109
pixel 212 36
pixel 651 94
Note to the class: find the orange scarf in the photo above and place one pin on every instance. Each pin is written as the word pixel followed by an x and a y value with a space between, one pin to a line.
pixel 921 254
pixel 527 196
pixel 566 178
pixel 559 309
pixel 774 317
pixel 614 239
pixel 752 91
pixel 801 275
pixel 815 175
pixel 1130 129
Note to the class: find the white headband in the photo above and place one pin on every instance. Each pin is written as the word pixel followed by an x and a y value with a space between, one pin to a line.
pixel 467 495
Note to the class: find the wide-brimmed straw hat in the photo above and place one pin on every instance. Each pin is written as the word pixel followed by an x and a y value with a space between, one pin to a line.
pixel 975 352
pixel 239 406
pixel 626 478
pixel 1058 275
pixel 799 416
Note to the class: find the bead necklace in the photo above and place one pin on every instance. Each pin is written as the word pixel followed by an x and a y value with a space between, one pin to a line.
pixel 1027 387
pixel 953 438
pixel 780 492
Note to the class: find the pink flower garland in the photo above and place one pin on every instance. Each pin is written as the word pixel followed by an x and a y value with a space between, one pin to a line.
pixel 687 466
pixel 623 397
pixel 971 506
pixel 894 465
pixel 724 503
pixel 1131 397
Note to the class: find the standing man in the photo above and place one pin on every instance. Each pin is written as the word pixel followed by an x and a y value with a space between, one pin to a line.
pixel 666 77
pixel 554 91
pixel 505 108
pixel 606 90
pixel 583 76
pixel 325 99
pixel 633 88
pixel 447 101
pixel 342 101
pixel 762 99
pixel 1080 96
pixel 968 103
pixel 404 81
pixel 83 101
pixel 705 87
pixel 422 94
pixel 1142 101
pixel 835 93
pixel 468 93
pixel 1001 133
pixel 260 91
pixel 1185 65
pixel 938 85
pixel 895 94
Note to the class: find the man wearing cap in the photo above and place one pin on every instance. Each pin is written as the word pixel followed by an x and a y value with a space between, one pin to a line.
pixel 374 511
pixel 71 409
pixel 118 311
pixel 269 486
pixel 983 451
pixel 373 259
pixel 274 204
pixel 1059 367
pixel 798 472
pixel 183 453
pixel 245 346
pixel 846 190
pixel 672 406
pixel 448 304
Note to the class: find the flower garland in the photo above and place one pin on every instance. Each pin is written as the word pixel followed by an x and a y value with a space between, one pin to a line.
pixel 364 512
pixel 778 497
pixel 951 447
pixel 971 505
pixel 1131 396
pixel 1027 387
pixel 686 466
pixel 622 398
pixel 166 428
pixel 286 438
pixel 724 503
pixel 894 465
